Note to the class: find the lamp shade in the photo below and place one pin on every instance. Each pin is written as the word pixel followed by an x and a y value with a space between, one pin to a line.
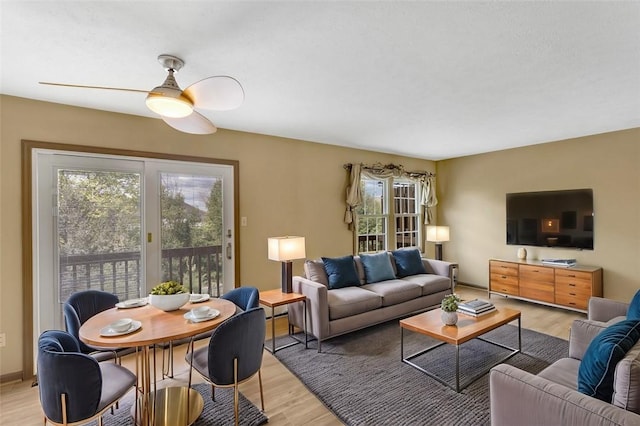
pixel 287 248
pixel 437 233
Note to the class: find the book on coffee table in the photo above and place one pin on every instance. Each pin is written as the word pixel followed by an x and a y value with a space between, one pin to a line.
pixel 476 314
pixel 475 306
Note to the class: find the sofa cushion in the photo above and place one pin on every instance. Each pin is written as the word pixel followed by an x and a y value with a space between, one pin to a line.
pixel 408 262
pixel 626 384
pixel 377 267
pixel 348 301
pixel 563 372
pixel 394 291
pixel 634 307
pixel 341 272
pixel 430 283
pixel 596 373
pixel 314 271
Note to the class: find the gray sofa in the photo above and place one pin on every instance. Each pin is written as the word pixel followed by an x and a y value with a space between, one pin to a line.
pixel 342 310
pixel 551 397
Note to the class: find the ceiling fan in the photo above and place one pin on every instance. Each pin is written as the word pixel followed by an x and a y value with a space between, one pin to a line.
pixel 177 107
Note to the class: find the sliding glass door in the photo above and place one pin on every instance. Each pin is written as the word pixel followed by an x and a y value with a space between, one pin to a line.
pixel 123 225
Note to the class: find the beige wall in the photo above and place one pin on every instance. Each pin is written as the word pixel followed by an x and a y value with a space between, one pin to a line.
pixel 286 187
pixel 471 191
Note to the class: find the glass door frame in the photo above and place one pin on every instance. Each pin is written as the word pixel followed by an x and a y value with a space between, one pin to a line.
pixel 28 149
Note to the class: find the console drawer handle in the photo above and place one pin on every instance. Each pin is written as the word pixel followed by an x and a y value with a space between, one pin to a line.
pixel 572 285
pixel 571 276
pixel 572 294
pixel 504 277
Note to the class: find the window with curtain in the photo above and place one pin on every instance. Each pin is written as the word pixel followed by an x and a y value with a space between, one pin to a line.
pixel 389 216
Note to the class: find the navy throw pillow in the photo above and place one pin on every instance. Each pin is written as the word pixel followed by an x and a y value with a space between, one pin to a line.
pixel 377 267
pixel 634 308
pixel 341 272
pixel 408 262
pixel 597 368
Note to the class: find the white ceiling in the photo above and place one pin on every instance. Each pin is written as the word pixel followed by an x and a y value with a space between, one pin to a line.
pixel 431 80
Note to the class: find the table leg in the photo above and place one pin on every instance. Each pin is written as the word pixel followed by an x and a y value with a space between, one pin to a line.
pixel 162 407
pixel 519 335
pixel 304 324
pixel 458 368
pixel 273 330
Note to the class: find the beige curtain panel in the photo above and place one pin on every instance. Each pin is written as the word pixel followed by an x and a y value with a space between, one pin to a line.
pixel 426 180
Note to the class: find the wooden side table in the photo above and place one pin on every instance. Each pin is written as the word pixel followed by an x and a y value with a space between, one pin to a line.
pixel 273 298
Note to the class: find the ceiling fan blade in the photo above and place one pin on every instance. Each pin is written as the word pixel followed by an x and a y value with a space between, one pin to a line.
pixel 193 123
pixel 93 87
pixel 219 93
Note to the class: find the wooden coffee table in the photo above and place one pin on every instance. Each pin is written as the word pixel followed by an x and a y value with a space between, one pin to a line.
pixel 467 328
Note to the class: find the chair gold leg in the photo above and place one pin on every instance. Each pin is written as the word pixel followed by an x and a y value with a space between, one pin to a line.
pixel 63 399
pixel 213 393
pixel 261 394
pixel 235 389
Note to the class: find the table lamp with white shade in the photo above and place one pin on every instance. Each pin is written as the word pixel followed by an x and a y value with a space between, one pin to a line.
pixel 438 234
pixel 285 249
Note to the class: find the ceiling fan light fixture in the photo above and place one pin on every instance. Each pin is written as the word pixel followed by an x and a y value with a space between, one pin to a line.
pixel 169 106
pixel 168 100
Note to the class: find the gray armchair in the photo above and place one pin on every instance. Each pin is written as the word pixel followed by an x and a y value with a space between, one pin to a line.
pixel 551 397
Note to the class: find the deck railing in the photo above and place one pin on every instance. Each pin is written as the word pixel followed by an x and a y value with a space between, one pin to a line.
pixel 199 269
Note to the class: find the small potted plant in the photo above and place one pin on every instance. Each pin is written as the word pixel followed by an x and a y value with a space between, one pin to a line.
pixel 169 296
pixel 449 307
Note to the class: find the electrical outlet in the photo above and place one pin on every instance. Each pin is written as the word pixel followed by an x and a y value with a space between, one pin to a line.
pixel 243 221
pixel 3 340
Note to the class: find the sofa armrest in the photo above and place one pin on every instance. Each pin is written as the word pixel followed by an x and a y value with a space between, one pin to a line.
pixel 440 267
pixel 581 334
pixel 601 309
pixel 520 398
pixel 317 307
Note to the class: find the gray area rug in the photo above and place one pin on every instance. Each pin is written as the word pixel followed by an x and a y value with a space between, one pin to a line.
pixel 218 412
pixel 361 379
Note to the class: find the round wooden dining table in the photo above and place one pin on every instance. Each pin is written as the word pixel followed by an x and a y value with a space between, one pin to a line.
pixel 170 405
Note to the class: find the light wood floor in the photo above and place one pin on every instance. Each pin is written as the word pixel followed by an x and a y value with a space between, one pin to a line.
pixel 287 401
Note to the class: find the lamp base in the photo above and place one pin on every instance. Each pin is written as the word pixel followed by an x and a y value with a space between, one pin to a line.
pixel 287 277
pixel 438 251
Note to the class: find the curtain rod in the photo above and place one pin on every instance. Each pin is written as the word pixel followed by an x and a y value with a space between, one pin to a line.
pixel 391 166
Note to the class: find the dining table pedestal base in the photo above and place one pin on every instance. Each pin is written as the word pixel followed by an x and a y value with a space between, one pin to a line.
pixel 173 406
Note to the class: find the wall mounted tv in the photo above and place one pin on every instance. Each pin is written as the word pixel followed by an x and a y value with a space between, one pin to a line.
pixel 551 219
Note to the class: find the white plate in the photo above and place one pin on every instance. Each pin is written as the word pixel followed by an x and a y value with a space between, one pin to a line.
pixel 197 298
pixel 132 303
pixel 213 313
pixel 110 332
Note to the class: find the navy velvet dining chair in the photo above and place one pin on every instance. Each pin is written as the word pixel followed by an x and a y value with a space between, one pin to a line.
pixel 79 308
pixel 244 298
pixel 234 354
pixel 75 387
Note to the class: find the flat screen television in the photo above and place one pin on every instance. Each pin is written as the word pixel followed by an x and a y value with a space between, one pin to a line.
pixel 551 219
